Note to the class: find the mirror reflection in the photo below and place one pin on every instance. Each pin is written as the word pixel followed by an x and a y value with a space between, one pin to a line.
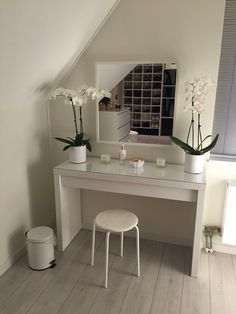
pixel 142 103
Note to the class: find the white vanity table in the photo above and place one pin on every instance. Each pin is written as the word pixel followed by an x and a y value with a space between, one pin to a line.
pixel 170 182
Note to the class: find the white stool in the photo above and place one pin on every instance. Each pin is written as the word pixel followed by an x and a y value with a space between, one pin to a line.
pixel 115 220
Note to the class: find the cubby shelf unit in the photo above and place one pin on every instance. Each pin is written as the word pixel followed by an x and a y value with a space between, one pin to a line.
pixel 149 92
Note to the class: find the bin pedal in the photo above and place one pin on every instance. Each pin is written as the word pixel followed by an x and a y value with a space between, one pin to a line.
pixel 52 264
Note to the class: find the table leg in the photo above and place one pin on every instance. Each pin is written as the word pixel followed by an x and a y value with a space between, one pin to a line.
pixel 197 233
pixel 68 213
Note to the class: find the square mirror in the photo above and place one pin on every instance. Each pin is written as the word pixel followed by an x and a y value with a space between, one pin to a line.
pixel 142 104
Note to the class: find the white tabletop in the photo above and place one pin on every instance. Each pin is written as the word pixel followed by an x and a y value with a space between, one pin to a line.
pixel 171 172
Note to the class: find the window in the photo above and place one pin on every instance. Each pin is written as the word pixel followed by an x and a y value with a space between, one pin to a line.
pixel 225 108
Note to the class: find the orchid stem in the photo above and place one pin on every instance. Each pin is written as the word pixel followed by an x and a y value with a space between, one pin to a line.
pixel 81 121
pixel 190 126
pixel 199 131
pixel 192 122
pixel 75 119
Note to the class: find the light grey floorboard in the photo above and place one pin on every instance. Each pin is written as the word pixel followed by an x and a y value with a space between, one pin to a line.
pixel 168 293
pixel 91 282
pixel 37 281
pixel 196 291
pixel 164 286
pixel 109 301
pixel 59 288
pixel 12 279
pixel 222 284
pixel 140 293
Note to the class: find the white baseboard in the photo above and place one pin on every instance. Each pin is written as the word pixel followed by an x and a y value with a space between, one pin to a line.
pixel 152 236
pixel 5 266
pixel 217 244
pixel 171 239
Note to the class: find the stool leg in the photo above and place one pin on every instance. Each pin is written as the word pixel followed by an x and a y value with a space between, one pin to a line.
pixel 121 244
pixel 138 255
pixel 93 243
pixel 107 253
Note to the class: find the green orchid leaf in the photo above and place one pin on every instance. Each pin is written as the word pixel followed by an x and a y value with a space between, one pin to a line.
pixel 187 148
pixel 66 147
pixel 88 146
pixel 200 145
pixel 210 146
pixel 70 138
pixel 64 140
pixel 206 138
pixel 79 139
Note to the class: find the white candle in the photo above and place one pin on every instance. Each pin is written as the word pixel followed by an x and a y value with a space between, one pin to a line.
pixel 106 158
pixel 160 162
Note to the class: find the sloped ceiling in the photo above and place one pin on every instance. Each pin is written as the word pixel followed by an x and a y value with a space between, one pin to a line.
pixel 110 74
pixel 40 40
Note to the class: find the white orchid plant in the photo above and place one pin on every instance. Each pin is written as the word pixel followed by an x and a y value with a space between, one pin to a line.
pixel 77 99
pixel 196 94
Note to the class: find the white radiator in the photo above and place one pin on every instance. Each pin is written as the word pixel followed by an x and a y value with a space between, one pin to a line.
pixel 229 216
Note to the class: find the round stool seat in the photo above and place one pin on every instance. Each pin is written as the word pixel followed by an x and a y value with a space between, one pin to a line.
pixel 116 220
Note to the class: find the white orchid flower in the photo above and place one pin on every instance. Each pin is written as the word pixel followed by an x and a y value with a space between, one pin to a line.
pixel 82 91
pixel 105 93
pixel 79 100
pixel 67 101
pixel 90 90
pixel 67 93
pixel 57 92
pixel 194 101
pixel 95 94
pixel 196 91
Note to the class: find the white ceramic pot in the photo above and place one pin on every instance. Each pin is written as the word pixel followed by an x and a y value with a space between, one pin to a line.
pixel 77 154
pixel 194 163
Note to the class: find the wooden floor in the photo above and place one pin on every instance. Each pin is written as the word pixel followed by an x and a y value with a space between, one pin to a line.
pixel 73 286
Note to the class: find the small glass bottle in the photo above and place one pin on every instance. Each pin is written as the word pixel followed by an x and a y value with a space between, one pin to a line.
pixel 122 155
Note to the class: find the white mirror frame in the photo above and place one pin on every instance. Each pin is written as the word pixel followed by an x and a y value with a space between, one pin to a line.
pixel 97 106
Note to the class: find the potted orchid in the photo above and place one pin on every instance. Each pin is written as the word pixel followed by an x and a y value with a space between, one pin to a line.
pixel 194 146
pixel 77 145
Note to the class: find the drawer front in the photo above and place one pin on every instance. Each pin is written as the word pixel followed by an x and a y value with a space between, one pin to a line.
pixel 123 118
pixel 123 131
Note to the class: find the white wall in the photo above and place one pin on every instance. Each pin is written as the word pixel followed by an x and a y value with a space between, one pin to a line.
pixel 110 74
pixel 187 32
pixel 40 40
pixel 217 174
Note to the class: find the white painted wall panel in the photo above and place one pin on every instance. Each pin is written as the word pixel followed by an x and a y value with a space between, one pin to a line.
pixel 40 40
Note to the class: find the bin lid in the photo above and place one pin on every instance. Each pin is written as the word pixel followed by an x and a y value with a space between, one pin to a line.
pixel 40 234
